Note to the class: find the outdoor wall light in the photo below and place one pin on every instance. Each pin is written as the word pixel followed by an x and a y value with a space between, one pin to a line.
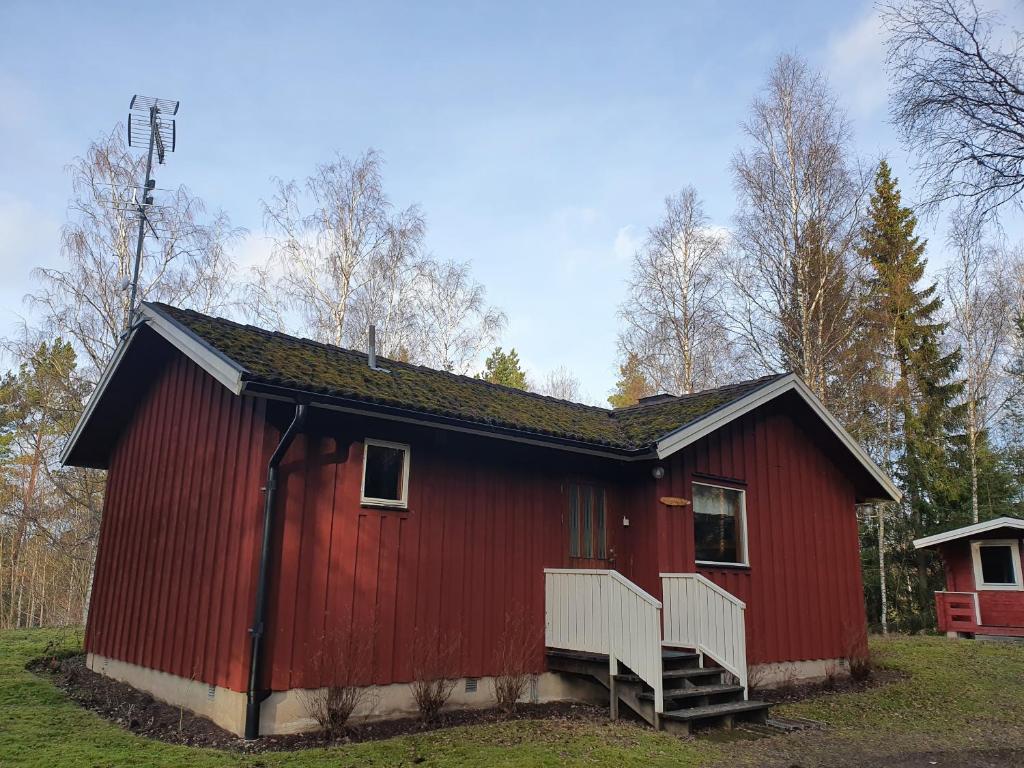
pixel 658 472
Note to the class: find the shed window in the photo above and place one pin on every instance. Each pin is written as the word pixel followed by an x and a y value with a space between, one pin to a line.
pixel 719 524
pixel 385 473
pixel 997 564
pixel 588 536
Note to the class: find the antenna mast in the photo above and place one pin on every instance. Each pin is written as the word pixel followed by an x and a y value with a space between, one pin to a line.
pixel 149 124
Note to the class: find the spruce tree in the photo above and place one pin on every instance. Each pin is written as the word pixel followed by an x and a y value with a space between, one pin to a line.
pixel 914 377
pixel 503 368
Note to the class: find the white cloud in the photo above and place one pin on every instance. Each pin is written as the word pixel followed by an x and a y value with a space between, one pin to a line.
pixel 627 241
pixel 856 64
pixel 253 250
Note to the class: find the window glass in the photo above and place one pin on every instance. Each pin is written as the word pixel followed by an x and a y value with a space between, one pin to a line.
pixel 588 534
pixel 384 477
pixel 997 564
pixel 718 523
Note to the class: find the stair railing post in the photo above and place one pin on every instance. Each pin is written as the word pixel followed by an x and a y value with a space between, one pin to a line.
pixel 613 662
pixel 659 677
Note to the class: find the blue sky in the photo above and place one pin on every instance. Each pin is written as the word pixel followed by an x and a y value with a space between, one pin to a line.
pixel 539 139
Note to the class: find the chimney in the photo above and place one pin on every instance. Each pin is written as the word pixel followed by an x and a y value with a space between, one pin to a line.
pixel 371 353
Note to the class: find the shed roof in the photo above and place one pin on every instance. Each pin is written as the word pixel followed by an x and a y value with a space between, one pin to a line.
pixel 968 531
pixel 253 360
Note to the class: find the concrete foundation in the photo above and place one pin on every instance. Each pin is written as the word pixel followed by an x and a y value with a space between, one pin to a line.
pixel 786 672
pixel 285 712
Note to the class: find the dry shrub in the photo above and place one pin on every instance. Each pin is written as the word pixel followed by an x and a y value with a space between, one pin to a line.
pixel 858 656
pixel 756 677
pixel 514 654
pixel 787 685
pixel 337 664
pixel 831 675
pixel 434 657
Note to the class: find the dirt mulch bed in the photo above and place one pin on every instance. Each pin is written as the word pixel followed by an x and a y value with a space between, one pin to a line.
pixel 140 713
pixel 788 694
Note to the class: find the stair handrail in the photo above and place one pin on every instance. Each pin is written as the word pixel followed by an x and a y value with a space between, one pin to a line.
pixel 702 615
pixel 601 611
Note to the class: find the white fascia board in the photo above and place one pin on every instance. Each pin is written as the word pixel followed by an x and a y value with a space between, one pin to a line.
pixel 969 530
pixel 219 366
pixel 691 433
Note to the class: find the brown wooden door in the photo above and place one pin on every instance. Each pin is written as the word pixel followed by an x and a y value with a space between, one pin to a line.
pixel 587 516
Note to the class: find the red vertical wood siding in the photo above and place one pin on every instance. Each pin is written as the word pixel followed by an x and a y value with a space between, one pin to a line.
pixel 179 541
pixel 173 587
pixel 484 519
pixel 998 608
pixel 803 587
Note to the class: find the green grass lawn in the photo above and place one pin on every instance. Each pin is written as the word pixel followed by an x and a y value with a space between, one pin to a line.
pixel 957 696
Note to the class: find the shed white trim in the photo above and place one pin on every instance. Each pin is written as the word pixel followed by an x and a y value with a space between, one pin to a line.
pixel 979 576
pixel 969 530
pixel 693 432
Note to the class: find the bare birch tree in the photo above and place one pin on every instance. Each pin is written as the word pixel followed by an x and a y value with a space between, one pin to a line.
pixel 84 300
pixel 452 322
pixel 341 250
pixel 673 320
pixel 958 100
pixel 561 383
pixel 981 303
pixel 796 279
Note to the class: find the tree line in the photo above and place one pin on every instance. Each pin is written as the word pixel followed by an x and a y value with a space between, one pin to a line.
pixel 823 270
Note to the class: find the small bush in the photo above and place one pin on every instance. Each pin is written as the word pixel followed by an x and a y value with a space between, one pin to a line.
pixel 756 677
pixel 431 696
pixel 858 657
pixel 514 651
pixel 332 706
pixel 336 663
pixel 831 675
pixel 434 658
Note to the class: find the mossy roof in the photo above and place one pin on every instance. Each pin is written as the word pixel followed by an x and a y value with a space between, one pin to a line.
pixel 278 360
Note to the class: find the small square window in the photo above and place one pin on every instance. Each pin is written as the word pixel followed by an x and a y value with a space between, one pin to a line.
pixel 997 564
pixel 385 473
pixel 719 524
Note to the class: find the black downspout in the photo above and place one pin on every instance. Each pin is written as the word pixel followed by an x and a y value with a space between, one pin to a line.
pixel 256 697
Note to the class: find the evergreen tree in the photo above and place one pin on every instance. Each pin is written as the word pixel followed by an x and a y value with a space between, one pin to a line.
pixel 916 386
pixel 503 368
pixel 632 384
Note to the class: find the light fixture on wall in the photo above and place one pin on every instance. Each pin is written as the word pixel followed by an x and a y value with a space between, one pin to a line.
pixel 658 472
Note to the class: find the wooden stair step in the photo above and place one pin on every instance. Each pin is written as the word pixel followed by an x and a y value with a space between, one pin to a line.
pixel 679 655
pixel 716 710
pixel 577 655
pixel 677 674
pixel 694 692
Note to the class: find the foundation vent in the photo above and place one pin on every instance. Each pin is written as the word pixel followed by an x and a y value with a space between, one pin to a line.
pixel 471 684
pixel 211 691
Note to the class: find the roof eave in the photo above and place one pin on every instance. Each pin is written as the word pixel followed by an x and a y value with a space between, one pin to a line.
pixel 394 413
pixel 708 423
pixel 967 531
pixel 219 366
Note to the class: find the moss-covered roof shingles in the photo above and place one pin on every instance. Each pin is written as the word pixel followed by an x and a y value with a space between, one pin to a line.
pixel 308 366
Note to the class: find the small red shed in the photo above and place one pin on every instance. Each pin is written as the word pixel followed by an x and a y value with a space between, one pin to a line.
pixel 283 515
pixel 984 592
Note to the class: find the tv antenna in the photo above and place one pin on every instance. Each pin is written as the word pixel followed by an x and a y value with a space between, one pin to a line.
pixel 151 124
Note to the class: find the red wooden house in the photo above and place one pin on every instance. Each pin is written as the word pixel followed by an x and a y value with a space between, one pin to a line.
pixel 984 592
pixel 270 497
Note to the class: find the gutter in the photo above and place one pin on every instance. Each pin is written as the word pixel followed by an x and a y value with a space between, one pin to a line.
pixel 255 695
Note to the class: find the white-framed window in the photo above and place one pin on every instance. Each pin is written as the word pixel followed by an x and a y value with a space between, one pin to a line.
pixel 719 524
pixel 385 474
pixel 997 564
